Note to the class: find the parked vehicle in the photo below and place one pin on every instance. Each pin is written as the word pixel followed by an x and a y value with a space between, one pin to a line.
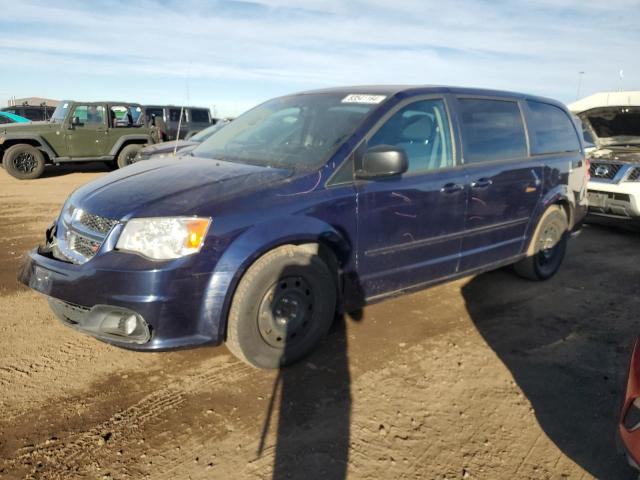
pixel 312 202
pixel 164 149
pixel 7 117
pixel 35 113
pixel 612 119
pixel 194 119
pixel 76 132
pixel 629 424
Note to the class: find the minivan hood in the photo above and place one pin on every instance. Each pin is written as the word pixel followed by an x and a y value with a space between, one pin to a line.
pixel 166 187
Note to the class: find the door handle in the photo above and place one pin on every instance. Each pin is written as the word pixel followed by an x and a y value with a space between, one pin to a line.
pixel 482 183
pixel 452 188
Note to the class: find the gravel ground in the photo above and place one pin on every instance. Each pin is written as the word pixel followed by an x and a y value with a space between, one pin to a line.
pixel 488 377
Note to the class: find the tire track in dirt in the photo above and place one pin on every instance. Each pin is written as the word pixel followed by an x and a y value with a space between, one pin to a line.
pixel 75 452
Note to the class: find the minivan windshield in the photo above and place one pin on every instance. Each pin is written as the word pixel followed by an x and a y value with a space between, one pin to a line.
pixel 60 112
pixel 297 132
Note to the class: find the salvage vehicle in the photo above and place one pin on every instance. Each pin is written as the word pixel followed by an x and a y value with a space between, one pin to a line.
pixel 111 132
pixel 193 120
pixel 8 117
pixel 310 204
pixel 629 423
pixel 613 122
pixel 167 149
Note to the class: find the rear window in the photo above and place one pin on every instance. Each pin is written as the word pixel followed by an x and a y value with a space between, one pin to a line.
pixel 199 115
pixel 491 130
pixel 551 129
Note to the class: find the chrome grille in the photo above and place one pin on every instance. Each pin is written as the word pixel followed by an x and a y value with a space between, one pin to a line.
pixel 96 223
pixel 607 171
pixel 634 175
pixel 80 234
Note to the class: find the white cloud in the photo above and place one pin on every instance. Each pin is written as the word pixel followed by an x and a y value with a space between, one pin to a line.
pixel 285 44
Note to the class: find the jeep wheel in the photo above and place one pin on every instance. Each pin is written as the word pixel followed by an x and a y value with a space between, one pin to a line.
pixel 548 246
pixel 24 162
pixel 127 155
pixel 283 306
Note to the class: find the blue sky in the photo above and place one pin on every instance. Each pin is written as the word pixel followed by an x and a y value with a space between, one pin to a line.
pixel 234 54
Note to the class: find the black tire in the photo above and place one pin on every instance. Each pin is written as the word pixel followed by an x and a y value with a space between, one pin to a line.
pixel 548 246
pixel 24 162
pixel 127 155
pixel 283 306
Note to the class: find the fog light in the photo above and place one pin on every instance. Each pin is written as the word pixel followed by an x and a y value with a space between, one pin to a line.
pixel 118 323
pixel 128 324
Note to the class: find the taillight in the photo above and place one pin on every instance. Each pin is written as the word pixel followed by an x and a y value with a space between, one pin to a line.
pixel 587 166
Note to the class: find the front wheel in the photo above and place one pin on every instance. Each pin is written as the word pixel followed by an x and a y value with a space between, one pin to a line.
pixel 548 246
pixel 283 306
pixel 128 154
pixel 24 162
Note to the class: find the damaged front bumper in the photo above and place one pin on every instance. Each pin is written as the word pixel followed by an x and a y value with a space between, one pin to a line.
pixel 124 300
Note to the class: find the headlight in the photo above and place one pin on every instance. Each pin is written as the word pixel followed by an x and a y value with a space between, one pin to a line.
pixel 164 238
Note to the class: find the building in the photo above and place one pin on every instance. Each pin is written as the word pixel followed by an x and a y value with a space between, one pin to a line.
pixel 37 101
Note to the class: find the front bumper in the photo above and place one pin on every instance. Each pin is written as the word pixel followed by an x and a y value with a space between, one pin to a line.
pixel 614 200
pixel 167 297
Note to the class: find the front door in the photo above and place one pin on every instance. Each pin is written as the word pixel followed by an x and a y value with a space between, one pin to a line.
pixel 87 137
pixel 409 226
pixel 504 182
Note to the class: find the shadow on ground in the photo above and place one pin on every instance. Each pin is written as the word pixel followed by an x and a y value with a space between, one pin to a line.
pixel 567 343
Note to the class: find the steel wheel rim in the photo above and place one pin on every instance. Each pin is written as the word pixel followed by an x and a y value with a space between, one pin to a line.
pixel 285 312
pixel 548 243
pixel 25 162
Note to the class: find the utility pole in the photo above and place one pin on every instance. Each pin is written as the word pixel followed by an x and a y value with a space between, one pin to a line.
pixel 580 74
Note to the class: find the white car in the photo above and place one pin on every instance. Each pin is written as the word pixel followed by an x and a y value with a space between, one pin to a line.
pixel 612 119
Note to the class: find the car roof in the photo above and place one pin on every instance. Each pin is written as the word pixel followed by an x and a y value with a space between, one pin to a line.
pixel 101 103
pixel 414 90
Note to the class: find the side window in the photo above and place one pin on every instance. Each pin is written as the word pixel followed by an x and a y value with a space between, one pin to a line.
pixel 199 115
pixel 89 115
pixel 174 115
pixel 491 130
pixel 4 119
pixel 551 129
pixel 422 130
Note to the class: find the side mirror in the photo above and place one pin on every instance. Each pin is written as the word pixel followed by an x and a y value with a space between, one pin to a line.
pixel 76 121
pixel 382 161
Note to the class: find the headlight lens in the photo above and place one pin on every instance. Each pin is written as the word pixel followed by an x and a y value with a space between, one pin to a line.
pixel 164 238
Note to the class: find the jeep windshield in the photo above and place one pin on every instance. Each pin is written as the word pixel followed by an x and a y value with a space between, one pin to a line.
pixel 618 126
pixel 60 112
pixel 299 132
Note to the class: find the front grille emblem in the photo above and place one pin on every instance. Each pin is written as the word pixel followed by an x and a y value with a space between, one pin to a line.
pixel 601 171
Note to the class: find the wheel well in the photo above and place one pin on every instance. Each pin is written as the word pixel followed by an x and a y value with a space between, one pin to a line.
pixel 27 141
pixel 130 142
pixel 567 211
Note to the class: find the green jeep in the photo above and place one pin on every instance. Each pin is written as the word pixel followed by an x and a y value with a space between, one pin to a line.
pixel 76 132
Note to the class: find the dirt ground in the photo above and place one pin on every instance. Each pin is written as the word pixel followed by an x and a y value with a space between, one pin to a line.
pixel 489 377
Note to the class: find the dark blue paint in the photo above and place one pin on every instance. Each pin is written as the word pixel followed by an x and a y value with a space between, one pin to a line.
pixel 388 235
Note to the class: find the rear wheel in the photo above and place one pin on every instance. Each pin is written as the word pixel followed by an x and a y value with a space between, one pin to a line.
pixel 127 155
pixel 24 162
pixel 548 247
pixel 283 306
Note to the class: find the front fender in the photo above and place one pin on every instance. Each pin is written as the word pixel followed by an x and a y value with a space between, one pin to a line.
pixel 249 246
pixel 42 143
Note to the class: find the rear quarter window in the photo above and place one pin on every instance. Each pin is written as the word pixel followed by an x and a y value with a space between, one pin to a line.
pixel 491 130
pixel 551 129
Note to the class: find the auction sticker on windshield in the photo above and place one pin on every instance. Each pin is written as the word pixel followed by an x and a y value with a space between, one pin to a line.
pixel 363 98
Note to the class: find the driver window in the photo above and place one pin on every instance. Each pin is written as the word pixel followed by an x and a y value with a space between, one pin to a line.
pixel 89 115
pixel 422 130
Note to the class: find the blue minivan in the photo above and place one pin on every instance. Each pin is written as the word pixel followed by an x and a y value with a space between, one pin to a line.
pixel 312 204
